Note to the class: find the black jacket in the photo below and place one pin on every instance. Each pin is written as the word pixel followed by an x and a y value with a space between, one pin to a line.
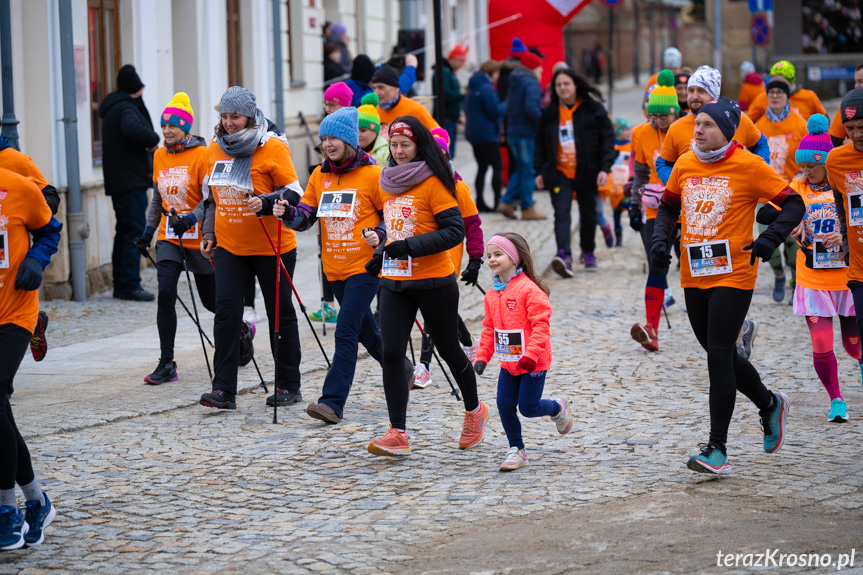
pixel 127 133
pixel 594 141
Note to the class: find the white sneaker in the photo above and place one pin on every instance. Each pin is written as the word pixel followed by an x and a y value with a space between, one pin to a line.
pixel 422 376
pixel 515 458
pixel 251 315
pixel 470 350
pixel 563 420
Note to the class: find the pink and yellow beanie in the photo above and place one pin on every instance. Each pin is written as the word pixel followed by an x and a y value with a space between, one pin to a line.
pixel 179 112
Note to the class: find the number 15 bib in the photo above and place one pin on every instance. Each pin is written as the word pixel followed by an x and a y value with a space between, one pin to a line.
pixel 709 258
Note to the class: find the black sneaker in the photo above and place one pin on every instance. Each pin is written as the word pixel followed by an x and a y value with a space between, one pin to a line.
pixel 285 397
pixel 139 294
pixel 220 399
pixel 247 348
pixel 165 371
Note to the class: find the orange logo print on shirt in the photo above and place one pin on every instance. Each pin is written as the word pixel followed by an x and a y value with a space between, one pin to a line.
pixel 705 202
pixel 342 229
pixel 400 217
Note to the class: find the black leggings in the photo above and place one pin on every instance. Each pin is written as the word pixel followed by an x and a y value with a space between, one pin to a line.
pixel 14 455
pixel 439 307
pixel 168 273
pixel 488 155
pixel 464 338
pixel 561 201
pixel 716 315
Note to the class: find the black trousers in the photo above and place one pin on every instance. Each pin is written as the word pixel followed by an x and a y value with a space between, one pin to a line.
pixel 716 315
pixel 561 200
pixel 233 274
pixel 15 463
pixel 130 209
pixel 464 338
pixel 488 156
pixel 168 273
pixel 440 311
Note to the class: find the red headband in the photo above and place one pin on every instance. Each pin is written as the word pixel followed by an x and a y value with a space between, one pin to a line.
pixel 402 129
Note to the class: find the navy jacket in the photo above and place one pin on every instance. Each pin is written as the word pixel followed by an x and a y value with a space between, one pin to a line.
pixel 482 110
pixel 524 104
pixel 127 133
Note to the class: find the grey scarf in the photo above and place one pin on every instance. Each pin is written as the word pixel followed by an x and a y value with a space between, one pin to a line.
pixel 774 117
pixel 399 179
pixel 240 146
pixel 390 104
pixel 710 156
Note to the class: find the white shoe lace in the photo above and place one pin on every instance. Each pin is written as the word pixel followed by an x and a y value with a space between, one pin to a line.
pixel 513 456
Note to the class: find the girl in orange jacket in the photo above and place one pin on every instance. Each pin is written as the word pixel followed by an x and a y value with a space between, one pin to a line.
pixel 516 328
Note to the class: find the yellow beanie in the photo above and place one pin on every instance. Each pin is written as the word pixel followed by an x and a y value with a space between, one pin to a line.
pixel 179 112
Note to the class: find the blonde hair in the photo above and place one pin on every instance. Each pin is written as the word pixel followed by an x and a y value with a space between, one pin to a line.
pixel 526 260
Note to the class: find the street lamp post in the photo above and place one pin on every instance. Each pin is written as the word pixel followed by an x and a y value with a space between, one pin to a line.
pixel 9 122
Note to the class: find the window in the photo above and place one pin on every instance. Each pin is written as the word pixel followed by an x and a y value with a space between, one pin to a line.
pixel 235 44
pixel 103 35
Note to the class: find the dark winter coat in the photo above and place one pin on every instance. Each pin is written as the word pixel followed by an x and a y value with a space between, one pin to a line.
pixel 332 70
pixel 594 141
pixel 506 68
pixel 451 92
pixel 482 110
pixel 359 89
pixel 127 134
pixel 523 104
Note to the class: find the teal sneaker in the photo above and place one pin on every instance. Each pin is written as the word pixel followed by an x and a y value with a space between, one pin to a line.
pixel 838 411
pixel 773 423
pixel 38 517
pixel 861 373
pixel 710 460
pixel 326 313
pixel 13 528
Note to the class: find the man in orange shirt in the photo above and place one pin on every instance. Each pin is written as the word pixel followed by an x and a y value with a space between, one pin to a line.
pixel 804 102
pixel 672 60
pixel 837 128
pixel 752 85
pixel 393 103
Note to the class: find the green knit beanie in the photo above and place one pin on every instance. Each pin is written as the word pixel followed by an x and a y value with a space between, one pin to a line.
pixel 663 99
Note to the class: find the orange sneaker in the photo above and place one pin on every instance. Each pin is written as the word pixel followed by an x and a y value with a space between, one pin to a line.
pixel 394 442
pixel 474 427
pixel 645 335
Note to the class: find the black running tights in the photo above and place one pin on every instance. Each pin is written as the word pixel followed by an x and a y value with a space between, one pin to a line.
pixel 14 455
pixel 168 273
pixel 716 315
pixel 439 307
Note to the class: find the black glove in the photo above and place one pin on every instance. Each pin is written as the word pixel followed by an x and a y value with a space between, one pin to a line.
pixel 479 367
pixel 397 249
pixel 375 265
pixel 143 243
pixel 471 272
pixel 660 258
pixel 29 276
pixel 635 218
pixel 182 225
pixel 761 248
pixel 290 213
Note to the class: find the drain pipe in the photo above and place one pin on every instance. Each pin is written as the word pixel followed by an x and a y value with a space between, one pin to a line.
pixel 77 228
pixel 277 59
pixel 9 122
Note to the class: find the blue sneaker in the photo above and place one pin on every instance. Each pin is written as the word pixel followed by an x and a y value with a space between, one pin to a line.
pixel 710 460
pixel 779 288
pixel 12 528
pixel 38 518
pixel 838 411
pixel 773 423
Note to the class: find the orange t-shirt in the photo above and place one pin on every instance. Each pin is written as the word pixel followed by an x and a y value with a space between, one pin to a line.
pixel 681 134
pixel 845 175
pixel 804 102
pixel 837 128
pixel 180 177
pixel 412 213
pixel 20 163
pixel 784 139
pixel 345 252
pixel 820 218
pixel 236 228
pixel 617 177
pixel 405 107
pixel 22 208
pixel 718 203
pixel 468 209
pixel 566 160
pixel 748 94
pixel 653 80
pixel 647 142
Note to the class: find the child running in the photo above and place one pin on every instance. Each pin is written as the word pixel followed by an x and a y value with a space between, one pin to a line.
pixel 516 327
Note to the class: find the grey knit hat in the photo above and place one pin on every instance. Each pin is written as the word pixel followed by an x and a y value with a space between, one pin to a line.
pixel 709 79
pixel 238 100
pixel 852 105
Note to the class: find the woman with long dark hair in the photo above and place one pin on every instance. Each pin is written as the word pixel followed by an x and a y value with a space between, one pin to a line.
pixel 422 219
pixel 574 126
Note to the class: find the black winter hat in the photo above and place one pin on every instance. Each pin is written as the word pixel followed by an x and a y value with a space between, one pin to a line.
pixel 726 114
pixel 386 74
pixel 852 105
pixel 363 69
pixel 128 80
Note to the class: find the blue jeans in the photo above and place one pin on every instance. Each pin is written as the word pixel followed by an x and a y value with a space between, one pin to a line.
pixel 130 210
pixel 356 324
pixel 521 183
pixel 451 127
pixel 525 392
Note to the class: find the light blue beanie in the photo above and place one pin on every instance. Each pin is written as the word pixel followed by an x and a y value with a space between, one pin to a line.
pixel 342 124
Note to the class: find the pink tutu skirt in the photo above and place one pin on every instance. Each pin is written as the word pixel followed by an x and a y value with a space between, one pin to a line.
pixel 823 303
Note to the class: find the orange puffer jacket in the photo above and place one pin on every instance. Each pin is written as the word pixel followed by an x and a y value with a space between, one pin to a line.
pixel 520 305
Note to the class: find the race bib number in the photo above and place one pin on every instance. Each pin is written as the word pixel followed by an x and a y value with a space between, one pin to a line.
pixel 191 234
pixel 396 267
pixel 221 172
pixel 4 249
pixel 337 204
pixel 509 344
pixel 567 139
pixel 827 258
pixel 709 258
pixel 855 208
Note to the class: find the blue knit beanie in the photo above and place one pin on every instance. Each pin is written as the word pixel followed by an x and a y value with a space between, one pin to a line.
pixel 342 124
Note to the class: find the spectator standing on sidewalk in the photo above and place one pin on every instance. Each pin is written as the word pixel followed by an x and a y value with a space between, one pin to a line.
pixel 483 111
pixel 522 114
pixel 574 152
pixel 128 143
pixel 453 96
pixel 339 36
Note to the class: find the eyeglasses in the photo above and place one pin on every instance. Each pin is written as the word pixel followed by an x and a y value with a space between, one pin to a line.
pixel 330 106
pixel 776 93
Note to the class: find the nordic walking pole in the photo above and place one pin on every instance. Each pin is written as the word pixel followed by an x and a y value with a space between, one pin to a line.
pixel 321 276
pixel 192 295
pixel 449 381
pixel 191 317
pixel 276 335
pixel 293 288
pixel 479 287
